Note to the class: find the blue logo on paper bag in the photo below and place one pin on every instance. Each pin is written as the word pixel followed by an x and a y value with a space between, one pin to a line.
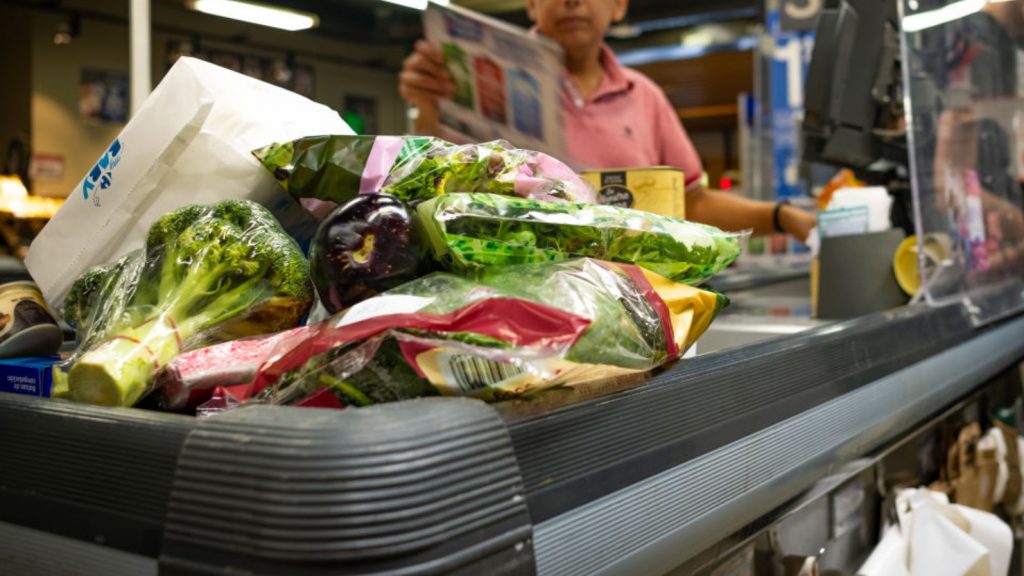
pixel 101 175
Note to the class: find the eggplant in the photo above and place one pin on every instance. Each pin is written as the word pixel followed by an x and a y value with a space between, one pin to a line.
pixel 363 248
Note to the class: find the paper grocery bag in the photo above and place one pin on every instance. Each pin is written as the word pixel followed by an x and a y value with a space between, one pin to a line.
pixel 190 142
pixel 977 470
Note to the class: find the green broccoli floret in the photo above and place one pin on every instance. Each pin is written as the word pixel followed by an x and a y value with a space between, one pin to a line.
pixel 210 273
pixel 87 291
pixel 97 292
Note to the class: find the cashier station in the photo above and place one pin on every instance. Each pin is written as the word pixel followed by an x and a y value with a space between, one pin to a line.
pixel 780 439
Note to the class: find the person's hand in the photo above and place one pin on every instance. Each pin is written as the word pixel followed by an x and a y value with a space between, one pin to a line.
pixel 424 82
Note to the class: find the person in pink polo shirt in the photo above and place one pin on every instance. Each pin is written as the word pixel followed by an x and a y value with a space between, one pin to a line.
pixel 614 117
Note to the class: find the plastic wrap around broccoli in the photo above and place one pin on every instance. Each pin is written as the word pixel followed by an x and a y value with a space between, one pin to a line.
pixel 206 274
pixel 337 168
pixel 472 231
pixel 108 286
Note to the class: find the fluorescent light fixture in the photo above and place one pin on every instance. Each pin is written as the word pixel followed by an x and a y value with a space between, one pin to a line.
pixel 253 13
pixel 417 4
pixel 940 16
pixel 625 31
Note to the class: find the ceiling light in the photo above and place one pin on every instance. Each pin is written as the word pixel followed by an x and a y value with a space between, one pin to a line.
pixel 253 13
pixel 417 4
pixel 944 15
pixel 624 31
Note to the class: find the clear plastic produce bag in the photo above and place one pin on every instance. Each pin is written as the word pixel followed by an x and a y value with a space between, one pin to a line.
pixel 206 274
pixel 471 231
pixel 334 169
pixel 509 332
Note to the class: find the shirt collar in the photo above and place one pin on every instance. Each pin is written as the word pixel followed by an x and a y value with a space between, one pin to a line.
pixel 615 80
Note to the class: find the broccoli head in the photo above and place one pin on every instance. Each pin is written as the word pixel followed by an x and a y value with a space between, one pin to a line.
pixel 97 293
pixel 85 293
pixel 207 273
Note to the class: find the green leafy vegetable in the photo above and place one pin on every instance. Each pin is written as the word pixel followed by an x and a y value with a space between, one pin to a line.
pixel 333 168
pixel 471 231
pixel 100 289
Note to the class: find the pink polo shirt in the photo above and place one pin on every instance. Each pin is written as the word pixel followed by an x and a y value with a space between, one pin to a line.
pixel 628 122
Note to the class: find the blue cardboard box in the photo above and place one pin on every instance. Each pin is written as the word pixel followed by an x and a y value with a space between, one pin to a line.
pixel 31 376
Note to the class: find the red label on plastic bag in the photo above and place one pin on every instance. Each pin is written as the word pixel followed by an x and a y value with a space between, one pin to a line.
pixel 518 322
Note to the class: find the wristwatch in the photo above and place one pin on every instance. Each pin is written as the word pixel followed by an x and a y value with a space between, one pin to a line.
pixel 775 215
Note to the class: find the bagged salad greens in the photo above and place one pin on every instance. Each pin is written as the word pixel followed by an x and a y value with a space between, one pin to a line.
pixel 206 274
pixel 334 169
pixel 473 231
pixel 507 332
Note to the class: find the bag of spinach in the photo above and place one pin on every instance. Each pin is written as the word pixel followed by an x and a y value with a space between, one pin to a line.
pixel 473 231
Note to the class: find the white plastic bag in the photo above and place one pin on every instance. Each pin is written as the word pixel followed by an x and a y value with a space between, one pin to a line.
pixel 934 537
pixel 190 142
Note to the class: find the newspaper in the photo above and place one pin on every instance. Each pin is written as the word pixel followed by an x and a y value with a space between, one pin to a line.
pixel 508 82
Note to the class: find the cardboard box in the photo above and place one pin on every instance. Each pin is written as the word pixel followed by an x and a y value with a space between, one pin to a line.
pixel 30 376
pixel 661 190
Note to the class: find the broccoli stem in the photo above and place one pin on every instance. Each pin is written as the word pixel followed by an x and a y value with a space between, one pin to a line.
pixel 228 304
pixel 118 371
pixel 350 392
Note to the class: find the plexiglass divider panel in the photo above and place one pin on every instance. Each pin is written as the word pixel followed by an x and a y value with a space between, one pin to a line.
pixel 965 125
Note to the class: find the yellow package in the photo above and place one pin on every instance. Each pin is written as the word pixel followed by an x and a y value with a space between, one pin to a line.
pixel 660 189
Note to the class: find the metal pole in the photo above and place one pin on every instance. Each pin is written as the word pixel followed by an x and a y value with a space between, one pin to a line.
pixel 141 59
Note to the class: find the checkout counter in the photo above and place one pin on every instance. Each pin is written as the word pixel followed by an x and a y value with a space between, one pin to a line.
pixel 770 433
pixel 672 472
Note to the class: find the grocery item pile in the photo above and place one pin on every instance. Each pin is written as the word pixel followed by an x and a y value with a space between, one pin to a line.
pixel 434 268
pixel 431 290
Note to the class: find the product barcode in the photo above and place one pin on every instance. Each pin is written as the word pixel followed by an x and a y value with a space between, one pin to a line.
pixel 472 373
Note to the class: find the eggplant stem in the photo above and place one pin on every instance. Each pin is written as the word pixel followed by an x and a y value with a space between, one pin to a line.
pixel 362 256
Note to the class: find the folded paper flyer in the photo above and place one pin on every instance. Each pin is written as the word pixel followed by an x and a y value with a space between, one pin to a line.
pixel 508 81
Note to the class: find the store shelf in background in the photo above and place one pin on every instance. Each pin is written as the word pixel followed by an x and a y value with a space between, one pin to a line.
pixel 708 81
pixel 703 92
pixel 709 117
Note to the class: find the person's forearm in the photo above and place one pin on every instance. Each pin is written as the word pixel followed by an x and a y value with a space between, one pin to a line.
pixel 427 121
pixel 733 213
pixel 728 211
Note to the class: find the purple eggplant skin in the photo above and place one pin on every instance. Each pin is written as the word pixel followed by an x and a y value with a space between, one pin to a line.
pixel 363 248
